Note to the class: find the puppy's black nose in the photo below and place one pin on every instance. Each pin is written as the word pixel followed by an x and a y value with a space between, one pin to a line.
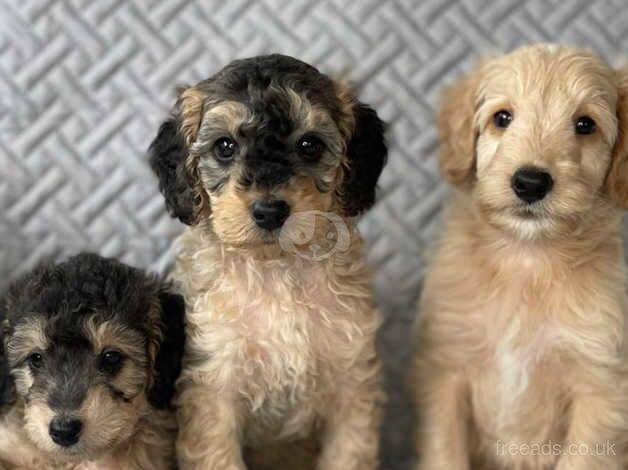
pixel 531 184
pixel 65 432
pixel 270 215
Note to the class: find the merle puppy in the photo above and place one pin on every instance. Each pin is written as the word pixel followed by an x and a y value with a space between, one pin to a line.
pixel 269 162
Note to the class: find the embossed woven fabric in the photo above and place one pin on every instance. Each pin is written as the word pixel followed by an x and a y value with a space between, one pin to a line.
pixel 84 85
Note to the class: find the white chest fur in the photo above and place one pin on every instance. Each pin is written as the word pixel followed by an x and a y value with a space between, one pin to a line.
pixel 276 330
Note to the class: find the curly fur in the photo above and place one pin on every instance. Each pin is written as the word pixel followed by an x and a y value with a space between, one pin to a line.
pixel 70 313
pixel 280 347
pixel 262 83
pixel 521 324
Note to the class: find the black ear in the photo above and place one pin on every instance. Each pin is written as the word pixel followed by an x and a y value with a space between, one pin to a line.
pixel 167 156
pixel 167 362
pixel 367 153
pixel 7 389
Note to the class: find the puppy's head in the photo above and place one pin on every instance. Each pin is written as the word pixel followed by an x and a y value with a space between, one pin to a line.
pixel 537 136
pixel 90 343
pixel 264 139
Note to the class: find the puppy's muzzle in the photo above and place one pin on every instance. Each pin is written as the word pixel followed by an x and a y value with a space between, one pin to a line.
pixel 65 431
pixel 531 184
pixel 270 214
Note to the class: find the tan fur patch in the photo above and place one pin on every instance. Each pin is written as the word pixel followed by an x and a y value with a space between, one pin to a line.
pixel 155 330
pixel 190 104
pixel 347 100
pixel 228 115
pixel 27 338
pixel 136 374
pixel 113 335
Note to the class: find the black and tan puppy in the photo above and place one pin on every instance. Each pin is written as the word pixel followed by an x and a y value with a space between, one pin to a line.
pixel 268 162
pixel 91 352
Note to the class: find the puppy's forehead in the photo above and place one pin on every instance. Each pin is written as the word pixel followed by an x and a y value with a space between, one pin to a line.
pixel 550 71
pixel 96 331
pixel 294 112
pixel 274 86
pixel 246 80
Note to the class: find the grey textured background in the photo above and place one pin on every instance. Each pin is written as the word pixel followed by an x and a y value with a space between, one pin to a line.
pixel 84 85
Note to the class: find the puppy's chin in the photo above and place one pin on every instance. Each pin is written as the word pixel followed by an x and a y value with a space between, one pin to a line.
pixel 309 234
pixel 246 236
pixel 533 222
pixel 527 225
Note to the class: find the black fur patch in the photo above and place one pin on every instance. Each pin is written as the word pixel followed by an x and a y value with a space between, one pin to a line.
pixel 267 163
pixel 167 154
pixel 367 152
pixel 7 392
pixel 168 360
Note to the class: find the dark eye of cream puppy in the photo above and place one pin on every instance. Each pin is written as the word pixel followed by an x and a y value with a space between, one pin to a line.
pixel 502 118
pixel 310 147
pixel 224 149
pixel 35 361
pixel 585 125
pixel 111 361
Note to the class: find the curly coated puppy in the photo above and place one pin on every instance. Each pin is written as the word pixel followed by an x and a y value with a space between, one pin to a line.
pixel 91 351
pixel 521 360
pixel 268 162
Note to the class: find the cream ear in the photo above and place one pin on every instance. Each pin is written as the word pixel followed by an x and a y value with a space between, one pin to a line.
pixel 617 178
pixel 457 130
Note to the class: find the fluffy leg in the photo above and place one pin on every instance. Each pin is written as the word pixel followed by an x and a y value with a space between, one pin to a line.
pixel 208 431
pixel 351 438
pixel 442 439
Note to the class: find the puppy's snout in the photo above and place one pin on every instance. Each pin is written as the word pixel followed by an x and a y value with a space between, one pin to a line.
pixel 531 184
pixel 270 215
pixel 65 431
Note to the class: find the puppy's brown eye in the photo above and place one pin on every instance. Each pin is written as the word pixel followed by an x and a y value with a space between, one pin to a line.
pixel 35 361
pixel 111 361
pixel 310 147
pixel 224 149
pixel 585 125
pixel 502 118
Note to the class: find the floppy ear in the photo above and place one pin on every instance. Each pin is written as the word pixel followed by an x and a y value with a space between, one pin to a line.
pixel 169 335
pixel 7 390
pixel 168 157
pixel 366 156
pixel 617 178
pixel 457 132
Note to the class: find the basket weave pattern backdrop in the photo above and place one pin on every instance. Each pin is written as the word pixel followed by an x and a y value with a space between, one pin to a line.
pixel 84 85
